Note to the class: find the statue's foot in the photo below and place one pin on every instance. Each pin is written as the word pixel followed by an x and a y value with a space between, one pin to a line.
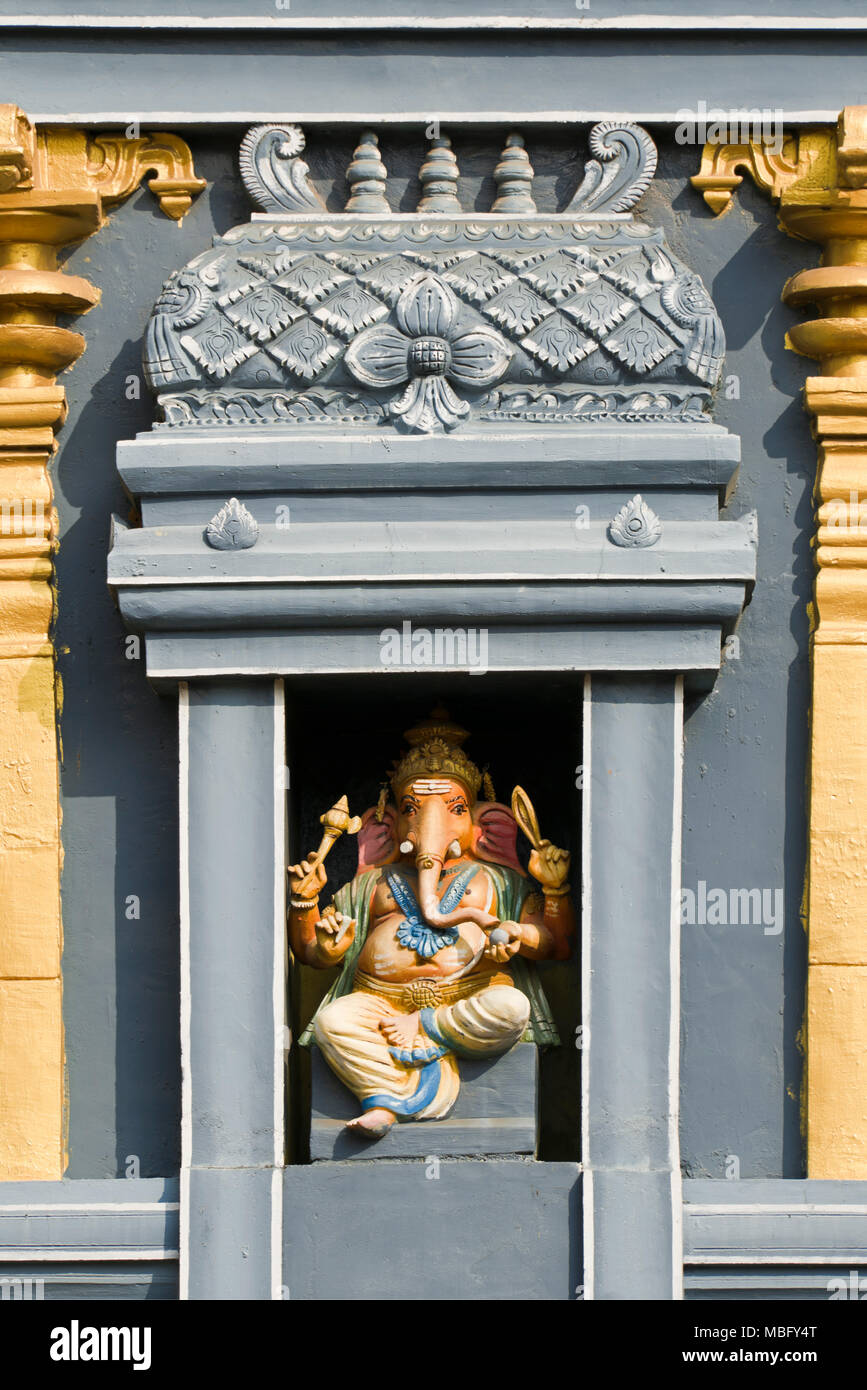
pixel 373 1124
pixel 402 1030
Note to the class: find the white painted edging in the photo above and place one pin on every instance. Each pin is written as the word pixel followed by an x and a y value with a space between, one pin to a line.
pixel 186 1080
pixel 586 1037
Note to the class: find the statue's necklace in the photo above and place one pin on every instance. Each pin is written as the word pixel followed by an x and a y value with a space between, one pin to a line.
pixel 444 873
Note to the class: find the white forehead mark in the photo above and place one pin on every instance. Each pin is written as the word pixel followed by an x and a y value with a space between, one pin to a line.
pixel 431 786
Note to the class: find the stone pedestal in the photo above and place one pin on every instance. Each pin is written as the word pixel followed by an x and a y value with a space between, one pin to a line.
pixel 495 1113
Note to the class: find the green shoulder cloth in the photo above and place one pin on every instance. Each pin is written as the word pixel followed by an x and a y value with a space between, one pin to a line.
pixel 512 891
pixel 353 900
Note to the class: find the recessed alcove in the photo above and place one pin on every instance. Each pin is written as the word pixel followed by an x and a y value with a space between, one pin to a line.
pixel 343 736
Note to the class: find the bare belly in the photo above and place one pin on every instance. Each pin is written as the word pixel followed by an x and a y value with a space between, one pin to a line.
pixel 384 958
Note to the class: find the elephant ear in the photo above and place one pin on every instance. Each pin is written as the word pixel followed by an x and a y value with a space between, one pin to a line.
pixel 497 835
pixel 376 844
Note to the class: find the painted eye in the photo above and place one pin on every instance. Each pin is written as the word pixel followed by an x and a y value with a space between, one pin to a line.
pixel 459 810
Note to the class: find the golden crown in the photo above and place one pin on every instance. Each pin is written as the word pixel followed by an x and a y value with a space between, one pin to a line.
pixel 435 747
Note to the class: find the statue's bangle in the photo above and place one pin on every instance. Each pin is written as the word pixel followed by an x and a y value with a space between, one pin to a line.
pixel 556 892
pixel 304 904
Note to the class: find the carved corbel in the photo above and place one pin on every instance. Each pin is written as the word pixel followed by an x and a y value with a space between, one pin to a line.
pixel 801 159
pixel 55 187
pixel 819 181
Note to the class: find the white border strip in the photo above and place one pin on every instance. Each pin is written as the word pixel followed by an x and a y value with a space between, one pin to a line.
pixel 674 988
pixel 186 1080
pixel 304 581
pixel 617 23
pixel 159 119
pixel 58 1255
pixel 27 1208
pixel 782 1257
pixel 775 1209
pixel 585 928
pixel 279 988
pixel 204 672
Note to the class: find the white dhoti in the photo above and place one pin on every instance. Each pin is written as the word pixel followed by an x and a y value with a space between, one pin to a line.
pixel 420 1083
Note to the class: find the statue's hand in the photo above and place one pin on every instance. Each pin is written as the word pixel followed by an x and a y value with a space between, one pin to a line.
pixel 502 951
pixel 550 865
pixel 334 931
pixel 305 881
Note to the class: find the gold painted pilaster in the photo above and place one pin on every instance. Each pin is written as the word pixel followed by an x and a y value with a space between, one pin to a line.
pixel 820 181
pixel 55 185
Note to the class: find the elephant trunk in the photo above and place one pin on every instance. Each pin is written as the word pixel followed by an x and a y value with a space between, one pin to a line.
pixel 434 837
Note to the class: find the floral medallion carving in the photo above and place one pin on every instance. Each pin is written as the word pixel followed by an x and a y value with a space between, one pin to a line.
pixel 430 353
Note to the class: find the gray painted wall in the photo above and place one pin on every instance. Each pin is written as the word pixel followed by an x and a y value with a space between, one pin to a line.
pixel 211 76
pixel 745 743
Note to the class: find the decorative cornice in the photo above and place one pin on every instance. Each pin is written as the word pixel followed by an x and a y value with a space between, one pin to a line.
pixel 429 321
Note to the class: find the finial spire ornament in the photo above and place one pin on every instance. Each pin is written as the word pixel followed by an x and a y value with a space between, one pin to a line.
pixel 366 177
pixel 514 178
pixel 439 178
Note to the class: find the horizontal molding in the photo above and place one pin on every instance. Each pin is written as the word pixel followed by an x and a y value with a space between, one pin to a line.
pixel 452 15
pixel 472 551
pixel 179 462
pixel 775 1222
pixel 206 76
pixel 154 608
pixel 678 647
pixel 86 1221
pixel 88 1237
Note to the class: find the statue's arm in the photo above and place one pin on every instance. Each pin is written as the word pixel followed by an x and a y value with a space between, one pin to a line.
pixel 547 922
pixel 317 939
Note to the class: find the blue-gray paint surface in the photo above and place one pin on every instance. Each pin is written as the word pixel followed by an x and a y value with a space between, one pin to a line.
pixel 214 77
pixel 745 744
pixel 494 1229
pixel 745 755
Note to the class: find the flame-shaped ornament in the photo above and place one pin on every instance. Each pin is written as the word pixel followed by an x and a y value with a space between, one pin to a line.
pixel 635 524
pixel 233 528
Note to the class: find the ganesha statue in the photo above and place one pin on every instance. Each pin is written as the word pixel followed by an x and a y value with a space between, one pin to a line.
pixel 437 933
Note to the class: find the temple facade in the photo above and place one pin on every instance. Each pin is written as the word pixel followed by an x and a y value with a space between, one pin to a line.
pixel 432 445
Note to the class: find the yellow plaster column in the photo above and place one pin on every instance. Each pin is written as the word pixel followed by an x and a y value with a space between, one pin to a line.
pixel 820 180
pixel 54 187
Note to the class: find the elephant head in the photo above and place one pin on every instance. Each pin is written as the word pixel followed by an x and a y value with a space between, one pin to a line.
pixel 436 819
